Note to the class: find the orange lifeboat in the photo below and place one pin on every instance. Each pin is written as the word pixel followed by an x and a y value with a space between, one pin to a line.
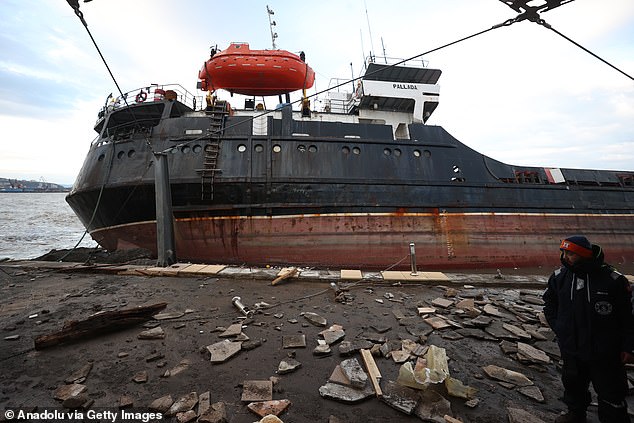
pixel 240 70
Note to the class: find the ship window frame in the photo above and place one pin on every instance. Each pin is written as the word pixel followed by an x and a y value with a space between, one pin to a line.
pixel 312 148
pixel 356 151
pixel 241 148
pixel 416 153
pixel 277 148
pixel 258 148
pixel 345 150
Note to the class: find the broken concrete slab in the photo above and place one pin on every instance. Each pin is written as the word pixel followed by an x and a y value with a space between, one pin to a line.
pixel 528 353
pixel 179 368
pixel 168 316
pixel 432 407
pixel 79 375
pixel 354 372
pixel 506 375
pixel 233 330
pixel 322 350
pixel 140 377
pixel 315 319
pixel 223 350
pixel 532 392
pixel 350 347
pixel 125 401
pixel 401 398
pixel 517 331
pixel 491 310
pixel 264 408
pixel 288 365
pixel 442 302
pixel 257 390
pixel 437 322
pixel 217 413
pixel 154 333
pixel 204 403
pixel 333 334
pixel 67 391
pixel 183 404
pixel 161 404
pixel 345 394
pixel 339 377
pixel 294 341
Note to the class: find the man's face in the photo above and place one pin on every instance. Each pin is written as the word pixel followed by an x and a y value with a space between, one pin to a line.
pixel 571 258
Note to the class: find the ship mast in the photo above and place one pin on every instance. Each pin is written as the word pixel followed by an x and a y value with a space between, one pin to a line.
pixel 271 25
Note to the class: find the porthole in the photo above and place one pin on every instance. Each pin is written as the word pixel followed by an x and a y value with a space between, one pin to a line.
pixel 312 148
pixel 345 150
pixel 101 157
pixel 397 152
pixel 356 150
pixel 242 148
pixel 301 148
pixel 174 150
pixel 185 149
pixel 277 148
pixel 197 148
pixel 416 153
pixel 131 153
pixel 258 148
pixel 427 153
pixel 120 154
pixel 387 152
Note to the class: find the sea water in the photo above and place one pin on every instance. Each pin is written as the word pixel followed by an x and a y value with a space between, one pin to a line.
pixel 32 224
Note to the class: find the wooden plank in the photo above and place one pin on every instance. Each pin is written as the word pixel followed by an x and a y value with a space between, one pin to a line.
pixel 97 324
pixel 373 371
pixel 347 274
pixel 285 273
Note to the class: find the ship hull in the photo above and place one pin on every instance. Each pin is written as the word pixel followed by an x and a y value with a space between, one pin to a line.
pixel 381 241
pixel 286 189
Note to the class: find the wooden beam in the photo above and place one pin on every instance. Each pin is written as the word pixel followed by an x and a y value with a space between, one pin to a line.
pixel 102 322
pixel 373 371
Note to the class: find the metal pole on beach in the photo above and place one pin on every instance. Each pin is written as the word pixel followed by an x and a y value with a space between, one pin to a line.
pixel 165 244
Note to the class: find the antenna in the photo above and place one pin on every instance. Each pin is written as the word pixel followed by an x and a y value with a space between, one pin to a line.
pixel 271 25
pixel 384 55
pixel 369 30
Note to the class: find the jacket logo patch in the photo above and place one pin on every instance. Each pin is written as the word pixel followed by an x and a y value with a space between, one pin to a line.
pixel 603 308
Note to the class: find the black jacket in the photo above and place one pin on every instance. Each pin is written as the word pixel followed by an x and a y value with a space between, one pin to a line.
pixel 589 308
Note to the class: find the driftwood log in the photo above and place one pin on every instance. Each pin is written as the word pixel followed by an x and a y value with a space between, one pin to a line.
pixel 97 324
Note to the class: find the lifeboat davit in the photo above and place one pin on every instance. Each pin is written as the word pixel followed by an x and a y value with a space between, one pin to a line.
pixel 240 70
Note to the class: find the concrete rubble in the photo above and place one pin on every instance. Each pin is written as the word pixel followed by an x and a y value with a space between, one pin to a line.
pixel 404 343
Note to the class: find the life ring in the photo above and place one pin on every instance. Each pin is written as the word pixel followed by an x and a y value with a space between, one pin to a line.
pixel 141 97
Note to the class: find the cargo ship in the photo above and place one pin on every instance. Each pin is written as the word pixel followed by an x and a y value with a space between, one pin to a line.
pixel 349 184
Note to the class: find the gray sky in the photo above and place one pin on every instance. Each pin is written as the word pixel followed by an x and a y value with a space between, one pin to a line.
pixel 519 94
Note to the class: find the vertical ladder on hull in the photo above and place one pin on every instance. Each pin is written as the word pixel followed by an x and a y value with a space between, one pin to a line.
pixel 217 113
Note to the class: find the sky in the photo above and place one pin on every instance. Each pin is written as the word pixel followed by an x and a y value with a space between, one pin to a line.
pixel 520 94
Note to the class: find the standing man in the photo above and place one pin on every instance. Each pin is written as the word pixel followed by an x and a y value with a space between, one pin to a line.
pixel 588 306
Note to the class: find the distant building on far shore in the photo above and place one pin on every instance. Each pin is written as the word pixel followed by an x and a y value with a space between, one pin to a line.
pixel 17 185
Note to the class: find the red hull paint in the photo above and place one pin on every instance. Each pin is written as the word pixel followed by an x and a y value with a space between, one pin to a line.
pixel 241 70
pixel 378 241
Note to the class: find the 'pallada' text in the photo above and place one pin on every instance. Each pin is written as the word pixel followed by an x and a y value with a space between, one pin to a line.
pixel 405 86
